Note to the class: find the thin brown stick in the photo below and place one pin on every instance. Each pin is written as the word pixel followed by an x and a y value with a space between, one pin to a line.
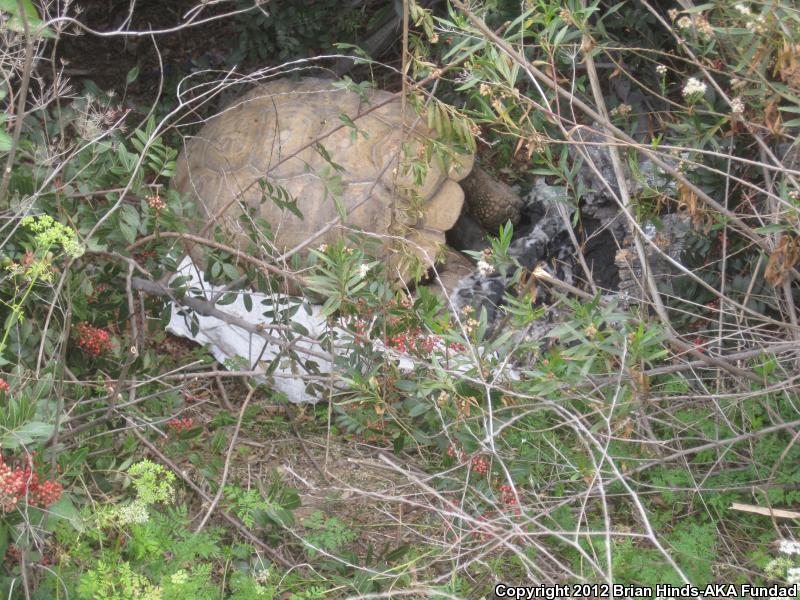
pixel 227 466
pixel 767 512
pixel 198 239
pixel 205 308
pixel 714 445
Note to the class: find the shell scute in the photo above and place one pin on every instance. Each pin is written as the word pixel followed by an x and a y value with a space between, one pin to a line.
pixel 274 132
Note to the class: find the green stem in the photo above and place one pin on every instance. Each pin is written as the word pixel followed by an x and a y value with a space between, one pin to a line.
pixel 16 310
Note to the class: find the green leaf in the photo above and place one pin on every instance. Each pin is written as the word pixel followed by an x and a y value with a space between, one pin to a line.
pixel 299 328
pixel 419 409
pixel 133 74
pixel 230 271
pixel 179 281
pixel 15 23
pixel 130 215
pixel 699 8
pixel 228 298
pixel 128 232
pixel 29 433
pixel 5 141
pixel 65 509
pixel 280 515
pixel 406 385
pixel 772 228
pixel 12 7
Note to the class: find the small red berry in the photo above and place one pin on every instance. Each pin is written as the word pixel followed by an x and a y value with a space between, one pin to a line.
pixel 179 425
pixel 480 465
pixel 92 340
pixel 156 203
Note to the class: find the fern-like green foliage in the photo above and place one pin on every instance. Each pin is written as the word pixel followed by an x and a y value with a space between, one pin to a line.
pixel 245 503
pixel 326 533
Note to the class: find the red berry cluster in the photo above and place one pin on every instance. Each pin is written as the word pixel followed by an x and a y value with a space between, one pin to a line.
pixel 360 327
pixel 401 342
pixel 19 483
pixel 156 203
pixel 480 465
pixel 92 340
pixel 456 453
pixel 12 556
pixel 145 255
pixel 457 347
pixel 4 387
pixel 428 343
pixel 412 340
pixel 507 495
pixel 178 425
pixel 47 493
pixel 98 291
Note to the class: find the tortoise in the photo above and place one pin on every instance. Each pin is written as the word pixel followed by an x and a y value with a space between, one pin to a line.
pixel 291 135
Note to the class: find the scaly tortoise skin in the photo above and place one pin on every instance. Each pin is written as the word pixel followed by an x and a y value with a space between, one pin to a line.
pixel 490 201
pixel 270 133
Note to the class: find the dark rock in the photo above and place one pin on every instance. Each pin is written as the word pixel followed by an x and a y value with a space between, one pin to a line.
pixel 467 234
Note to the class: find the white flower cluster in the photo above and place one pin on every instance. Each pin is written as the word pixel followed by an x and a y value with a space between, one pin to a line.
pixel 621 110
pixel 135 512
pixel 661 69
pixel 755 23
pixel 699 22
pixel 737 106
pixel 789 547
pixel 737 83
pixel 694 87
pixel 363 269
pixel 484 268
pixel 793 576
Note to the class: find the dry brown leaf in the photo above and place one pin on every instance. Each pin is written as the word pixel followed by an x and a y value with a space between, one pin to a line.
pixel 688 201
pixel 641 381
pixel 787 65
pixel 781 261
pixel 772 117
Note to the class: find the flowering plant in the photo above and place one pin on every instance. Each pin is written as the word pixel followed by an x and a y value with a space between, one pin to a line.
pixel 21 485
pixel 787 566
pixel 94 341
